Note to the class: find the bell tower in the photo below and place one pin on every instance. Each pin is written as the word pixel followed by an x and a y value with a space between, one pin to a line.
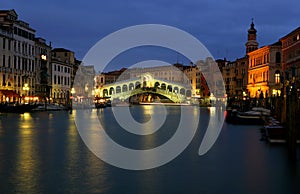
pixel 251 44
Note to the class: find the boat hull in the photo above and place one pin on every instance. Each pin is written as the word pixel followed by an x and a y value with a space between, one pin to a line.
pixel 22 108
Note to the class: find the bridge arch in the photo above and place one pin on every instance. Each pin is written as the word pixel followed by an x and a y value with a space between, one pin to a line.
pixel 163 86
pixel 176 90
pixel 137 85
pixel 131 86
pixel 169 88
pixel 156 84
pixel 105 92
pixel 182 91
pixel 118 89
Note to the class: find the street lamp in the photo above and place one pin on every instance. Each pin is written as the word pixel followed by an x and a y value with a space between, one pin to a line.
pixel 44 57
pixel 72 91
pixel 26 89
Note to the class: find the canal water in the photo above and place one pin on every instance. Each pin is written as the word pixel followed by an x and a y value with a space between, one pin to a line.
pixel 42 152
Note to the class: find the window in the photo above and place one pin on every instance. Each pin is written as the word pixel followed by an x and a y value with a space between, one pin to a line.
pixel 277 77
pixel 15 62
pixel 3 61
pixel 9 42
pixel 278 57
pixel 19 63
pixel 9 61
pixel 54 79
pixel 4 41
pixel 54 67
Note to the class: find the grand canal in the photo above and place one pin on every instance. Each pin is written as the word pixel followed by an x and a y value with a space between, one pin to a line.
pixel 42 152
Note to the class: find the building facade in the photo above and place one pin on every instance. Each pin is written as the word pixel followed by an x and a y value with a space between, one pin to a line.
pixel 43 86
pixel 62 63
pixel 291 55
pixel 264 65
pixel 18 68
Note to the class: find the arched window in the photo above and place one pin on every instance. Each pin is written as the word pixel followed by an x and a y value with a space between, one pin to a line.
pixel 278 57
pixel 105 92
pixel 163 86
pixel 111 91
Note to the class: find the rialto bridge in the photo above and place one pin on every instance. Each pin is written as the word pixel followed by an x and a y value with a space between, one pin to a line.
pixel 147 85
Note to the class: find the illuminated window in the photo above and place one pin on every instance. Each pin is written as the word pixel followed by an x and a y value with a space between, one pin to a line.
pixel 277 77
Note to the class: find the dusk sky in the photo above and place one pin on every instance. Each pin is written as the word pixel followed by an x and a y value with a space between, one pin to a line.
pixel 220 25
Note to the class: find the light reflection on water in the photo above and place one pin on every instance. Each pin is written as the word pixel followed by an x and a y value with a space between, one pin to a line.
pixel 27 159
pixel 43 153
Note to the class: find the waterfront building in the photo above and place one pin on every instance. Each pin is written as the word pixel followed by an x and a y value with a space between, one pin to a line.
pixel 241 77
pixel 173 73
pixel 290 70
pixel 263 71
pixel 17 59
pixel 195 77
pixel 43 86
pixel 235 73
pixel 229 77
pixel 85 81
pixel 62 63
pixel 291 56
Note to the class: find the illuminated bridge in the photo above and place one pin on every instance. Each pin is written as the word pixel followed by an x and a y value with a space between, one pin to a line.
pixel 146 87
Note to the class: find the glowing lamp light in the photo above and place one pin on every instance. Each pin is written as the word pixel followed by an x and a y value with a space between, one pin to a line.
pixel 44 57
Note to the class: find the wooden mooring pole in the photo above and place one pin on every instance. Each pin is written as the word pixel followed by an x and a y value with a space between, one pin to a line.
pixel 292 134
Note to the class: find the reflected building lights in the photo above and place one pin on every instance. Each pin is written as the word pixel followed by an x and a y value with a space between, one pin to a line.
pixel 27 157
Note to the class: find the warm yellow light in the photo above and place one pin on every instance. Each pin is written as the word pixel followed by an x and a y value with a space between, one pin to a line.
pixel 25 87
pixel 275 92
pixel 72 91
pixel 44 57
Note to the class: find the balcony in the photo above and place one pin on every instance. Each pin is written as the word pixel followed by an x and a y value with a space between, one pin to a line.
pixel 6 33
pixel 6 69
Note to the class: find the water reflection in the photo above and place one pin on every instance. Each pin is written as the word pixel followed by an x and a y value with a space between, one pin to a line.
pixel 43 153
pixel 27 159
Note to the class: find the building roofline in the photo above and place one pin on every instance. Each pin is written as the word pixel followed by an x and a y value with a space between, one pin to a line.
pixel 61 50
pixel 289 34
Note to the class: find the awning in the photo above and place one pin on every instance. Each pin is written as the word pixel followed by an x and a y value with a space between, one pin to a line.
pixel 9 93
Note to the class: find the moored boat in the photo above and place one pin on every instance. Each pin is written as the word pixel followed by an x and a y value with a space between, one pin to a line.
pixel 245 118
pixel 17 108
